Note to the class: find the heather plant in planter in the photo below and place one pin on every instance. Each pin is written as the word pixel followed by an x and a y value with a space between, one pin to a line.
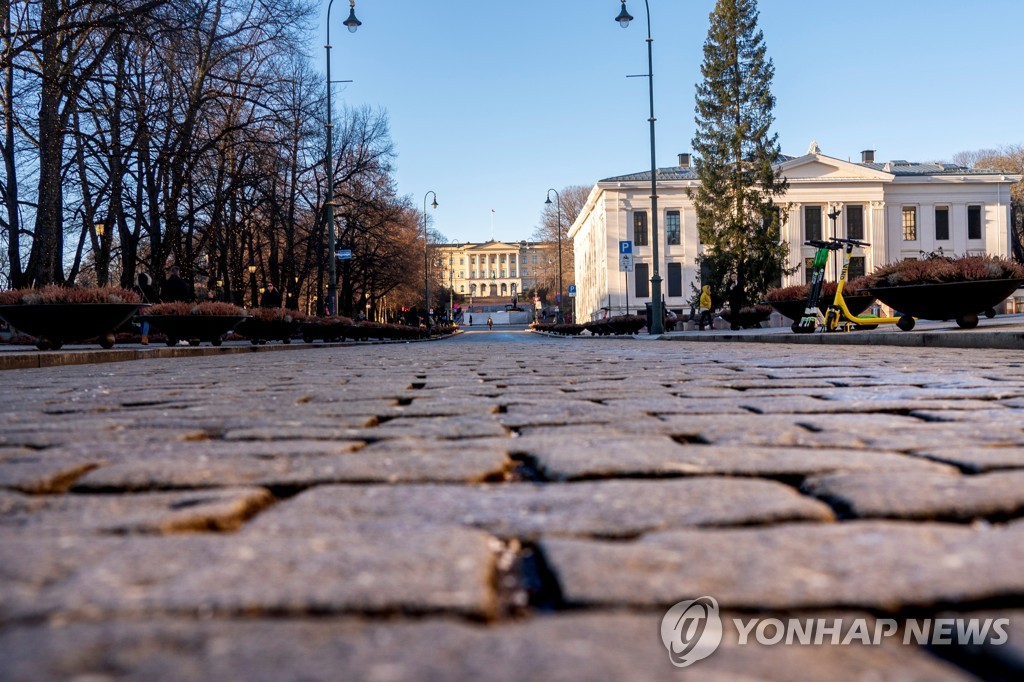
pixel 271 324
pixel 618 325
pixel 749 316
pixel 193 322
pixel 792 300
pixel 57 315
pixel 941 287
pixel 330 328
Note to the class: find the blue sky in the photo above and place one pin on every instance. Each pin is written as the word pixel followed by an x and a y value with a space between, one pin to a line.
pixel 493 102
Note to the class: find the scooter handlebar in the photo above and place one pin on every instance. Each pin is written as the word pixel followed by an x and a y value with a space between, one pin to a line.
pixel 855 242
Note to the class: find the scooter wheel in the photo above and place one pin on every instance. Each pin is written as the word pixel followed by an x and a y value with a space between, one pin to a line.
pixel 831 321
pixel 990 313
pixel 906 323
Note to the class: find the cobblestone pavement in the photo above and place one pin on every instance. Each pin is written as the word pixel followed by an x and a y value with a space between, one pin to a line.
pixel 508 506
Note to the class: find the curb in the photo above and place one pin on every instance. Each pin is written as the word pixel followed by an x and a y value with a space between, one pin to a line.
pixel 36 359
pixel 1005 340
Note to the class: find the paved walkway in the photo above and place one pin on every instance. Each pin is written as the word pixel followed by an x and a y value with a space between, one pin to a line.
pixel 508 506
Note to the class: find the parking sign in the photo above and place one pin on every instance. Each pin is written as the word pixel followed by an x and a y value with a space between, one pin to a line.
pixel 625 247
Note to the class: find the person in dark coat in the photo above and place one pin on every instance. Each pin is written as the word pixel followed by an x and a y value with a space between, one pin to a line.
pixel 175 288
pixel 271 297
pixel 144 287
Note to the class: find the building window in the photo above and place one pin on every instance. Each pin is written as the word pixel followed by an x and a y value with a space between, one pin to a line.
pixel 522 259
pixel 524 273
pixel 856 267
pixel 974 222
pixel 812 223
pixel 675 278
pixel 641 272
pixel 909 223
pixel 941 223
pixel 639 228
pixel 672 227
pixel 855 222
pixel 462 288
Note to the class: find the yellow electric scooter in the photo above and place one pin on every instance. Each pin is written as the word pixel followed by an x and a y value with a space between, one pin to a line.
pixel 838 316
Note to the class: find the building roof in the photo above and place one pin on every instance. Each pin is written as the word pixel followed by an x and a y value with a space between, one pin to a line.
pixel 898 168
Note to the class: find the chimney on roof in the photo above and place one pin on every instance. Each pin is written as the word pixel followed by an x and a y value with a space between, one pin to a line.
pixel 867 156
pixel 684 160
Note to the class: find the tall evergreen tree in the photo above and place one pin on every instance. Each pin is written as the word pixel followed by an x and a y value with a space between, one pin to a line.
pixel 737 221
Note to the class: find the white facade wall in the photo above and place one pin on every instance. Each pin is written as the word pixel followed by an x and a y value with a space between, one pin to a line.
pixel 814 180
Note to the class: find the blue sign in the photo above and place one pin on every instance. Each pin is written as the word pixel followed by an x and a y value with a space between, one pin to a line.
pixel 626 247
pixel 344 254
pixel 572 290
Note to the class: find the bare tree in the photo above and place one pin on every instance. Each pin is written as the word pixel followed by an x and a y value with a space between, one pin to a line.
pixel 1008 159
pixel 573 198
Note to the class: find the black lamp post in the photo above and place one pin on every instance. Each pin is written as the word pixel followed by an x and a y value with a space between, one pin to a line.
pixel 252 282
pixel 332 272
pixel 558 228
pixel 657 324
pixel 451 282
pixel 426 265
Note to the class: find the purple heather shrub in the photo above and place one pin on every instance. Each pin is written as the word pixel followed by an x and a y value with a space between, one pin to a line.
pixel 52 294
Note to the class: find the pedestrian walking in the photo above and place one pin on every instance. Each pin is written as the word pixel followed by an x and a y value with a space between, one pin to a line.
pixel 271 297
pixel 490 323
pixel 705 306
pixel 175 288
pixel 144 287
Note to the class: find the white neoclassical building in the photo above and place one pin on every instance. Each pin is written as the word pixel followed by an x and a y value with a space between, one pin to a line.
pixel 902 208
pixel 493 269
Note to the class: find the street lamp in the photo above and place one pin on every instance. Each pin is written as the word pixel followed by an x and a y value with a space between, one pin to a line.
pixel 332 272
pixel 657 325
pixel 451 282
pixel 252 281
pixel 558 202
pixel 426 267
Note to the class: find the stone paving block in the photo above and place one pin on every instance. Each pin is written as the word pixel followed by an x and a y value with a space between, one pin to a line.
pixel 922 495
pixel 807 404
pixel 345 429
pixel 977 459
pixel 996 393
pixel 609 456
pixel 462 426
pixel 558 412
pixel 287 469
pixel 683 405
pixel 204 449
pixel 37 474
pixel 933 435
pixel 442 406
pixel 377 568
pixel 568 647
pixel 220 509
pixel 759 429
pixel 990 416
pixel 525 511
pixel 883 565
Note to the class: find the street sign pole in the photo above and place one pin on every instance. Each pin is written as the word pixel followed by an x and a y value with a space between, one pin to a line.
pixel 626 265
